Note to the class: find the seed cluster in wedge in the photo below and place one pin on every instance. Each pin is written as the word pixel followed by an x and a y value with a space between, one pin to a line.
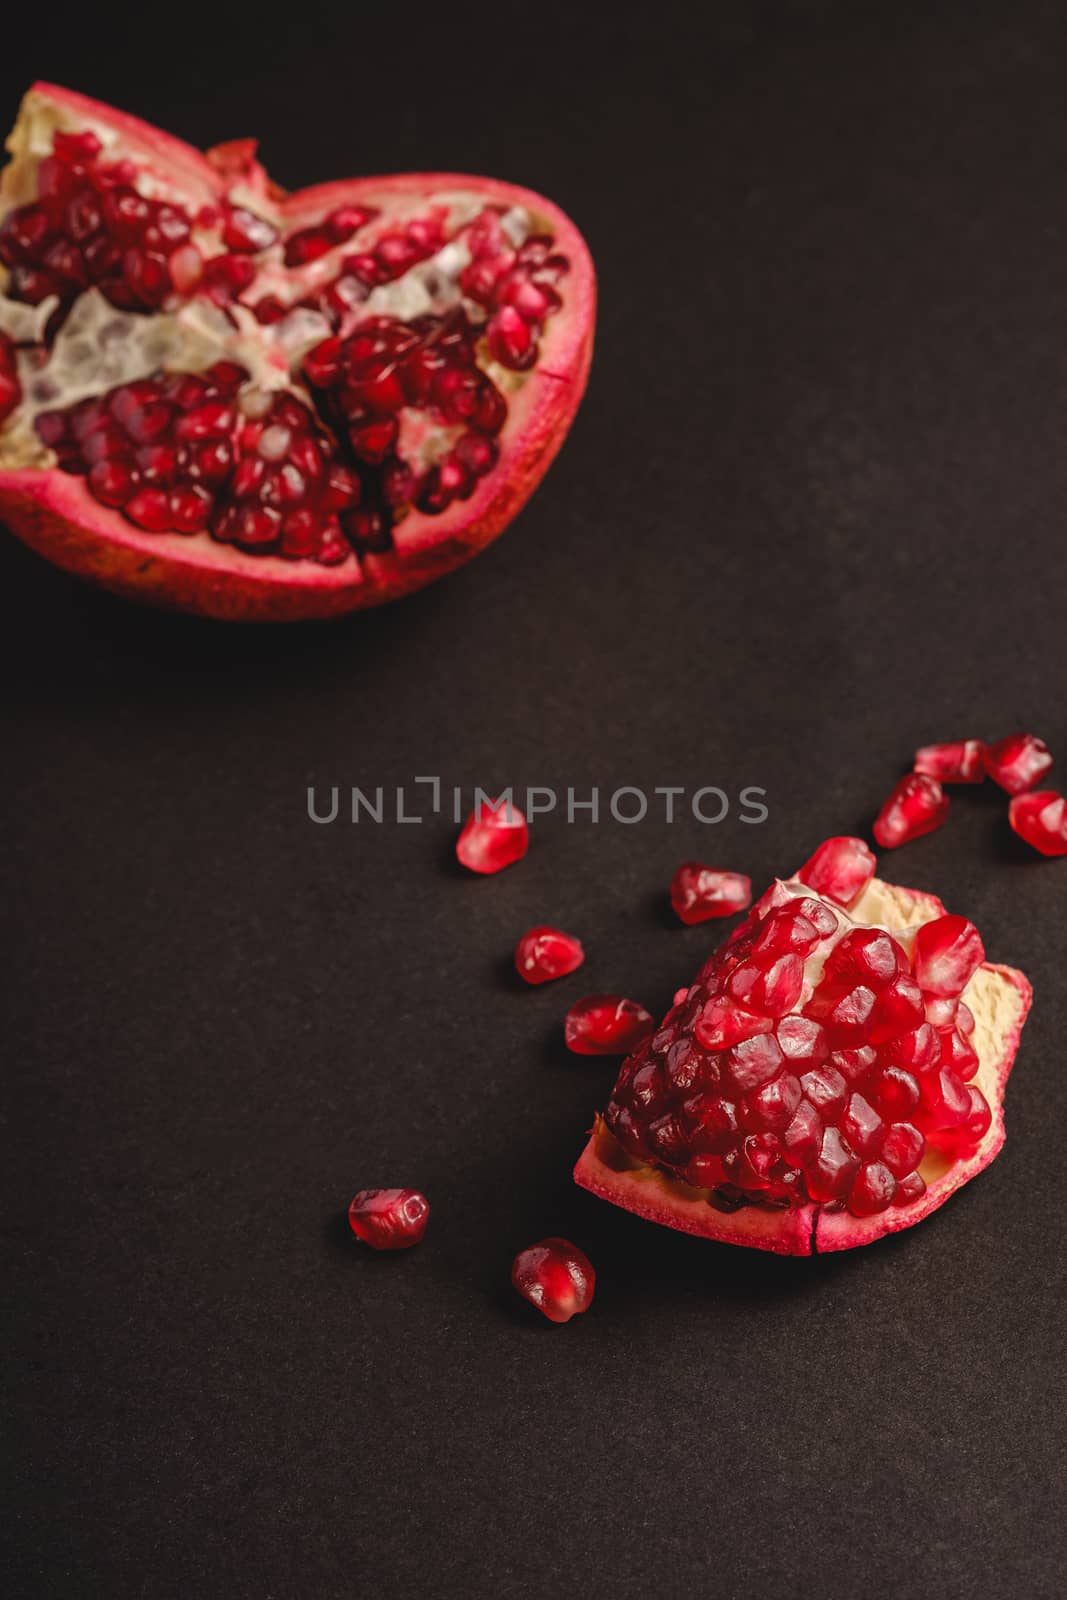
pixel 813 1060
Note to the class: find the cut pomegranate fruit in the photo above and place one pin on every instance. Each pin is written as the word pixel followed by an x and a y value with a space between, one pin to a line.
pixel 223 398
pixel 556 1277
pixel 1018 762
pixel 916 806
pixel 1040 818
pixel 840 869
pixel 855 1113
pixel 494 836
pixel 389 1219
pixel 543 954
pixel 699 893
pixel 606 1025
pixel 962 762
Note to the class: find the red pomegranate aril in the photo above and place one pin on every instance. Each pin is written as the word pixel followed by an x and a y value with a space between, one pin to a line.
pixel 894 1091
pixel 826 1091
pixel 873 1191
pixel 150 509
pixel 840 869
pixel 910 1189
pixel 1040 818
pixel 699 893
pixel 865 955
pixel 861 1127
pixel 1018 762
pixel 751 1063
pixel 916 807
pixel 606 1025
pixel 845 1015
pixel 802 1041
pixel 802 1139
pixel 389 1219
pixel 914 1051
pixel 958 1053
pixel 722 1023
pixel 512 341
pixel 243 231
pixel 854 1064
pixel 495 836
pixel 961 762
pixel 948 952
pixel 190 509
pixel 556 1277
pixel 902 1148
pixel 944 1100
pixel 769 987
pixel 772 1107
pixel 898 1009
pixel 112 482
pixel 543 954
pixel 830 1176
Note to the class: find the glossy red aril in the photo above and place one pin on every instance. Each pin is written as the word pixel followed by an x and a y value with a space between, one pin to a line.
pixel 408 320
pixel 606 1025
pixel 961 762
pixel 840 869
pixel 389 1219
pixel 810 1127
pixel 543 954
pixel 916 806
pixel 556 1277
pixel 699 893
pixel 948 952
pixel 1018 762
pixel 1040 818
pixel 494 836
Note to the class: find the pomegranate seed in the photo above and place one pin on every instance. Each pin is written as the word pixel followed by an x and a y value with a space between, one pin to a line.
pixel 242 230
pixel 948 952
pixel 826 1091
pixel 831 1175
pixel 494 836
pixel 895 1092
pixel 845 1015
pixel 770 987
pixel 910 1189
pixel 752 1063
pixel 1040 818
pixel 512 341
pixel 840 869
pixel 546 953
pixel 606 1025
pixel 772 1107
pixel 802 1041
pixel 902 1148
pixel 861 1127
pixel 865 955
pixel 962 762
pixel 389 1219
pixel 150 509
pixel 723 1023
pixel 915 1050
pixel 898 1009
pixel 10 388
pixel 1018 762
pixel 916 806
pixel 699 893
pixel 556 1277
pixel 112 482
pixel 874 1190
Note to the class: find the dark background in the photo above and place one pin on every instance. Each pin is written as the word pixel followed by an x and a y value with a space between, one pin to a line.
pixel 811 515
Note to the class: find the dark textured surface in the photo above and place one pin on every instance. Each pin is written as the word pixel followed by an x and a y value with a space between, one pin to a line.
pixel 810 516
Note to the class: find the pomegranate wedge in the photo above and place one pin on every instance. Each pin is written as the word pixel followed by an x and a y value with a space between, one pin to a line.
pixel 251 404
pixel 852 1112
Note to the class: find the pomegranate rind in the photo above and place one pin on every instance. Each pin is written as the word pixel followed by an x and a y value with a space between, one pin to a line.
pixel 999 997
pixel 56 516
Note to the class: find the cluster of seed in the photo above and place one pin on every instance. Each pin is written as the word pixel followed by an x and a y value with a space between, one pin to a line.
pixel 89 226
pixel 812 1061
pixel 366 382
pixel 205 453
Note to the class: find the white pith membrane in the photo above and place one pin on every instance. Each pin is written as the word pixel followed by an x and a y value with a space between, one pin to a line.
pixel 998 998
pixel 99 347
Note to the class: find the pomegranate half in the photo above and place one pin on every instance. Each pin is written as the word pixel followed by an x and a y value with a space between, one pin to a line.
pixel 833 1075
pixel 231 400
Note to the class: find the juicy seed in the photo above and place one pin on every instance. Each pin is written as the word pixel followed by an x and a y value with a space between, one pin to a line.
pixel 948 952
pixel 389 1219
pixel 916 806
pixel 10 387
pixel 962 762
pixel 543 954
pixel 556 1277
pixel 606 1025
pixel 1018 762
pixel 699 893
pixel 1041 819
pixel 494 836
pixel 840 869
